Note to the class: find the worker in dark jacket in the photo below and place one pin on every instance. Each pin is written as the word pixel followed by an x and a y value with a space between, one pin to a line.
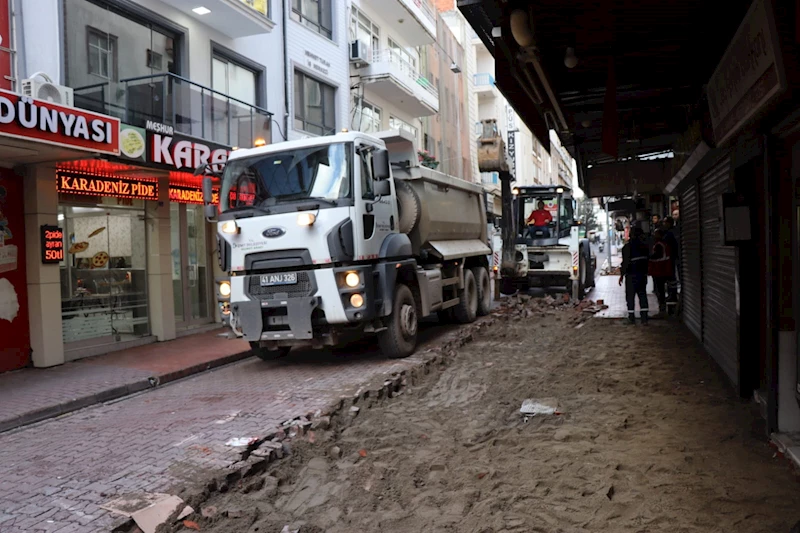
pixel 661 268
pixel 635 257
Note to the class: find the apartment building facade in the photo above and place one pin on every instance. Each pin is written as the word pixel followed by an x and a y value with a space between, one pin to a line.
pixel 104 244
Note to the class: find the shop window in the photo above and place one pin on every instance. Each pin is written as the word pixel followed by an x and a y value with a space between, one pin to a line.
pixel 102 52
pixel 104 274
pixel 314 105
pixel 314 14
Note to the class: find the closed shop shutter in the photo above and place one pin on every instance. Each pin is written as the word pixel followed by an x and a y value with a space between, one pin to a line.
pixel 690 262
pixel 718 264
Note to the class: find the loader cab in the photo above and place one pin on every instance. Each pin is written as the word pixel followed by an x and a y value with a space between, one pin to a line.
pixel 557 201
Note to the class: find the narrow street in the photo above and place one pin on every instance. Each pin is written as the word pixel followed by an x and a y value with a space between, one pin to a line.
pixel 57 474
pixel 646 437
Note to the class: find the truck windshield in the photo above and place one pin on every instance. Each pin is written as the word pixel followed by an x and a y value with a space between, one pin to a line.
pixel 558 208
pixel 318 172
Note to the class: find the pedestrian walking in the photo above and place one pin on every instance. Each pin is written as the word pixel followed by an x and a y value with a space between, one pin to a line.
pixel 635 256
pixel 661 268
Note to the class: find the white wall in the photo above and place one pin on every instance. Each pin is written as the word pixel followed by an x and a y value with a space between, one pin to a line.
pixel 44 46
pixel 41 39
pixel 301 39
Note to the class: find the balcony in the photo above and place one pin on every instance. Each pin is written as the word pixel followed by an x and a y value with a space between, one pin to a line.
pixel 189 107
pixel 415 20
pixel 484 86
pixel 394 79
pixel 234 18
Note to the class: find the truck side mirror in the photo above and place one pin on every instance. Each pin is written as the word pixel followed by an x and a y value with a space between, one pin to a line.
pixel 209 209
pixel 200 170
pixel 380 164
pixel 382 188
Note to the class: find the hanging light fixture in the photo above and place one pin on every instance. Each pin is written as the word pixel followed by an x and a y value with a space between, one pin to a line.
pixel 521 28
pixel 586 123
pixel 570 59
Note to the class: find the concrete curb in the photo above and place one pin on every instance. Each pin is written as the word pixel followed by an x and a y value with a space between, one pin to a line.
pixel 115 393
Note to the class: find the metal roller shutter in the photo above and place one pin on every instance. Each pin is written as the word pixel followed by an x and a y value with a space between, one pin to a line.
pixel 691 296
pixel 718 264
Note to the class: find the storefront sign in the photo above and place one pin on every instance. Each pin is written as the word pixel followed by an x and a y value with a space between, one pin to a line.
pixel 159 146
pixel 77 183
pixel 749 75
pixel 52 245
pixel 317 63
pixel 512 140
pixel 26 118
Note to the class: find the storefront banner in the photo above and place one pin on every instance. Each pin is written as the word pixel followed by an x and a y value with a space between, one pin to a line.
pixel 749 75
pixel 26 118
pixel 189 194
pixel 52 244
pixel 158 145
pixel 117 187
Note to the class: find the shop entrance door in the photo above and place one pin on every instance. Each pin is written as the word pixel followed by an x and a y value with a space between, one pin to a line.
pixel 190 272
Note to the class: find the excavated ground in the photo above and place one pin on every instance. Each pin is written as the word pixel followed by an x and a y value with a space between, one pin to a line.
pixel 648 438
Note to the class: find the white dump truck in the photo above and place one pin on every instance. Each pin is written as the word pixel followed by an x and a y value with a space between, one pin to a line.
pixel 345 234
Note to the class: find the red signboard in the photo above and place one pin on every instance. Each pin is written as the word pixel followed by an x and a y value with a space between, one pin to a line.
pixel 115 187
pixel 23 117
pixel 15 344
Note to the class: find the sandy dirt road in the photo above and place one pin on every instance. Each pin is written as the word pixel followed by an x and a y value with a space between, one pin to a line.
pixel 650 440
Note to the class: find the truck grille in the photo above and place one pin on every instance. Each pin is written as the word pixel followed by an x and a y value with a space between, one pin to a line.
pixel 303 287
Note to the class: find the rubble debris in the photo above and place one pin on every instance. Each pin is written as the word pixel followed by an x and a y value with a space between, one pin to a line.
pixel 189 524
pixel 613 271
pixel 149 518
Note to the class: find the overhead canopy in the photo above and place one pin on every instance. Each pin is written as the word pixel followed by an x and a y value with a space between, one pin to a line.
pixel 661 53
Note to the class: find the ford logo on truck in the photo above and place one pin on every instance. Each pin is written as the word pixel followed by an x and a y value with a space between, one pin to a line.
pixel 272 233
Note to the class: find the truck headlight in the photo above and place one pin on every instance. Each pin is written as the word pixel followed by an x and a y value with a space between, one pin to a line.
pixel 352 279
pixel 306 219
pixel 230 226
pixel 225 289
pixel 356 300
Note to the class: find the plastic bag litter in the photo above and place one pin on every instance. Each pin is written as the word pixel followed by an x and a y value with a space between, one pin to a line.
pixel 537 407
pixel 241 441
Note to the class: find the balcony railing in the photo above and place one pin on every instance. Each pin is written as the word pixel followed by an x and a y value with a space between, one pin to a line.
pixel 426 10
pixel 483 79
pixel 191 108
pixel 407 70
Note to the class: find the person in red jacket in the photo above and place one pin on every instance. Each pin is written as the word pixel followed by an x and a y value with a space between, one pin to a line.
pixel 540 219
pixel 661 268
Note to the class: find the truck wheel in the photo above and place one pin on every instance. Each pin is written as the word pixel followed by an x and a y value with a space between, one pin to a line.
pixel 399 339
pixel 484 286
pixel 268 355
pixel 581 277
pixel 467 309
pixel 507 286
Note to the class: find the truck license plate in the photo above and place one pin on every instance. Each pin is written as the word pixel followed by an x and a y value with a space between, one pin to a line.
pixel 284 278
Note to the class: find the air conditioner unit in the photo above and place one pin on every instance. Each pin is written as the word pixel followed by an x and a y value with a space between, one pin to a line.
pixel 360 52
pixel 41 87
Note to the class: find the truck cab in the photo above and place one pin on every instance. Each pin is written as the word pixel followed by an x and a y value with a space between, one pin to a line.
pixel 319 243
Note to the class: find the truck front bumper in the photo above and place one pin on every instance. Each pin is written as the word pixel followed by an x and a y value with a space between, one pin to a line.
pixel 301 312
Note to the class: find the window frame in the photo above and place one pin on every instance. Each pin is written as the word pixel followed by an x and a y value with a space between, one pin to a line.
pixel 374 30
pixel 227 55
pixel 111 53
pixel 360 104
pixel 302 105
pixel 317 27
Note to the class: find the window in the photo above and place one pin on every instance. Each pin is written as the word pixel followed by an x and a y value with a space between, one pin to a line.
pixel 102 53
pixel 397 124
pixel 402 56
pixel 366 176
pixel 155 60
pixel 233 79
pixel 315 14
pixel 368 117
pixel 364 30
pixel 314 105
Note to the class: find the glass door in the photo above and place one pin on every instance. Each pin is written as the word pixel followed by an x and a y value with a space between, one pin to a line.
pixel 190 265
